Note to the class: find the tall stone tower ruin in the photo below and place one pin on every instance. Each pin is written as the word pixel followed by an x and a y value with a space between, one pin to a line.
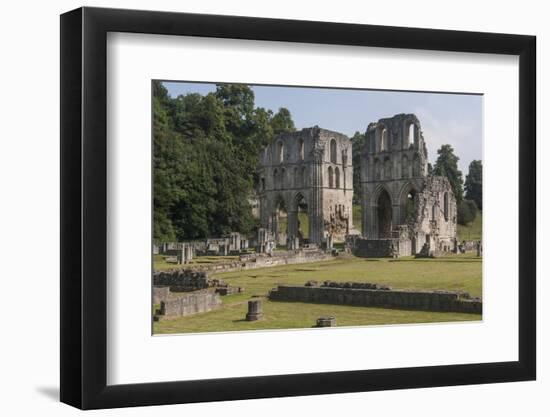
pixel 403 208
pixel 307 174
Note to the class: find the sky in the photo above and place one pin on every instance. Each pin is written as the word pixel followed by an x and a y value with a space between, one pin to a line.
pixel 454 119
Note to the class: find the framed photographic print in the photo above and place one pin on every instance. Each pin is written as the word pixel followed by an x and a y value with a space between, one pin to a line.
pixel 256 208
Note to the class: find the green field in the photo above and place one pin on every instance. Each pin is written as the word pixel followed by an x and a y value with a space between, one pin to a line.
pixel 458 272
pixel 472 231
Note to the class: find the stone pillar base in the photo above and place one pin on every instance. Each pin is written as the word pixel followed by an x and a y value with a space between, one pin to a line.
pixel 326 321
pixel 254 310
pixel 254 316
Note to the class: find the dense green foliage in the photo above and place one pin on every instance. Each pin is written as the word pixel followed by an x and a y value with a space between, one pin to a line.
pixel 474 184
pixel 447 165
pixel 466 211
pixel 471 231
pixel 205 157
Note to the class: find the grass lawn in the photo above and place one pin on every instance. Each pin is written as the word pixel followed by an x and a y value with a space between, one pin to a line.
pixel 457 272
pixel 473 230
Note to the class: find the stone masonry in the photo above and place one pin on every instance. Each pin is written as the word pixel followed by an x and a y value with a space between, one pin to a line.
pixel 442 301
pixel 307 171
pixel 404 209
pixel 192 303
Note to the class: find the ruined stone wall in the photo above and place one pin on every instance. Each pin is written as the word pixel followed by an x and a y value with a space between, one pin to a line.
pixel 311 167
pixel 441 301
pixel 181 279
pixel 192 303
pixel 397 192
pixel 160 294
pixel 435 221
pixel 196 276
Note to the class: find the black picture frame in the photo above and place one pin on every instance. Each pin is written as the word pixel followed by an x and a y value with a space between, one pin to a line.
pixel 84 207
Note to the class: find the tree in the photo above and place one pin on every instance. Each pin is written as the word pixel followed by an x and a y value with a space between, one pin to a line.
pixel 238 97
pixel 466 211
pixel 473 183
pixel 282 121
pixel 447 165
pixel 206 151
pixel 430 169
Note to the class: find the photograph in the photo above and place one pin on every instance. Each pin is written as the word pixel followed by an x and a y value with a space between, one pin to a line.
pixel 298 207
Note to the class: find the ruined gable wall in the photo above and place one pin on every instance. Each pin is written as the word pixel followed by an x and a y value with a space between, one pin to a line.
pixel 432 218
pixel 315 164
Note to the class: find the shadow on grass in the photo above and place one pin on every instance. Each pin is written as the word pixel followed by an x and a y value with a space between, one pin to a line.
pixel 382 307
pixel 461 260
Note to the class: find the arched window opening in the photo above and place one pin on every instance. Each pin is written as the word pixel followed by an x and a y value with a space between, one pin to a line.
pixel 296 178
pixel 410 206
pixel 280 151
pixel 280 222
pixel 282 180
pixel 446 206
pixel 411 134
pixel 384 215
pixel 337 177
pixel 301 149
pixel 302 226
pixel 433 212
pixel 333 151
pixel 303 178
pixel 330 177
pixel 384 140
pixel 276 179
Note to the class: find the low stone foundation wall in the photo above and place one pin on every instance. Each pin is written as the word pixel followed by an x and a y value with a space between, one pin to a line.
pixel 442 301
pixel 254 261
pixel 160 294
pixel 192 303
pixel 181 279
pixel 381 248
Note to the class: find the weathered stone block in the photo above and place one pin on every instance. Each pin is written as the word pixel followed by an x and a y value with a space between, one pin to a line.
pixel 329 321
pixel 254 310
pixel 191 303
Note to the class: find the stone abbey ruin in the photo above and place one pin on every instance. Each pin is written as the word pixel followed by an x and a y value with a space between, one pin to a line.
pixel 310 171
pixel 405 211
pixel 304 204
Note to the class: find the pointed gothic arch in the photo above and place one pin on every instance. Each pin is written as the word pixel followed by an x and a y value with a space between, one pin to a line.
pixel 408 201
pixel 330 177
